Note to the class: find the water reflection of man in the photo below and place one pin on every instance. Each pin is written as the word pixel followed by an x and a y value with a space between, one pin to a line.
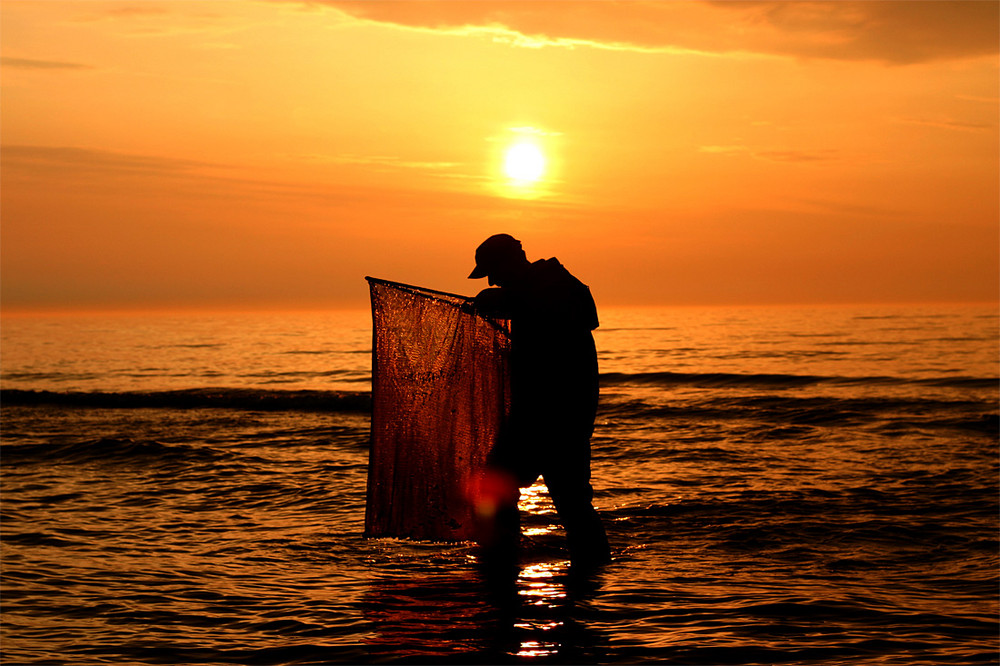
pixel 554 390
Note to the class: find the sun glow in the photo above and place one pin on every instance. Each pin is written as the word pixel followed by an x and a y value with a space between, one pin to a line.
pixel 524 163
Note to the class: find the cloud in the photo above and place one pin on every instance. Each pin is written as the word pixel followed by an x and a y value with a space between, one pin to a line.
pixel 103 170
pixel 978 99
pixel 31 63
pixel 796 155
pixel 167 20
pixel 947 124
pixel 896 32
pixel 120 12
pixel 89 160
pixel 380 161
pixel 533 131
pixel 724 150
pixel 100 170
pixel 845 207
pixel 774 155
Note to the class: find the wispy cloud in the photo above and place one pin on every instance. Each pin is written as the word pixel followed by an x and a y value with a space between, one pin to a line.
pixel 979 99
pixel 87 159
pixel 140 20
pixel 849 208
pixel 774 155
pixel 947 124
pixel 123 11
pixel 503 35
pixel 33 63
pixel 387 161
pixel 534 131
pixel 724 150
pixel 826 155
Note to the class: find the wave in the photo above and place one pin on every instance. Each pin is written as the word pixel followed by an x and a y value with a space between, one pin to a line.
pixel 725 380
pixel 267 399
pixel 890 411
pixel 115 449
pixel 775 416
pixel 247 399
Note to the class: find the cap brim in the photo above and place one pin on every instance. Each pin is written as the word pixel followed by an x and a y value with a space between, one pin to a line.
pixel 478 272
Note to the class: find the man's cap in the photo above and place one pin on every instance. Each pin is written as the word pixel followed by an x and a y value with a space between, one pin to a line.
pixel 494 250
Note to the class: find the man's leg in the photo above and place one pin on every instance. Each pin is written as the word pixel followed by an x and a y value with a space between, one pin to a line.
pixel 572 495
pixel 494 499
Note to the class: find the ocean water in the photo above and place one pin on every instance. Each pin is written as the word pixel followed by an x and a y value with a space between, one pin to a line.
pixel 780 485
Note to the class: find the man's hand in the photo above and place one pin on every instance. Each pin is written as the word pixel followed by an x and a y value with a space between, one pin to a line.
pixel 469 307
pixel 492 303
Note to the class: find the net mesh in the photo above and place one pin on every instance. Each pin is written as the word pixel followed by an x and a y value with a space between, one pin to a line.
pixel 440 391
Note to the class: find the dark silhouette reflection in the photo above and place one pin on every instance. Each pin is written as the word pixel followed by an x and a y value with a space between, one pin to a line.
pixel 453 612
pixel 554 391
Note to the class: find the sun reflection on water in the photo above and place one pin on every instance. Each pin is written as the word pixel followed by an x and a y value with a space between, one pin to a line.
pixel 539 584
pixel 544 598
pixel 537 649
pixel 544 628
pixel 535 500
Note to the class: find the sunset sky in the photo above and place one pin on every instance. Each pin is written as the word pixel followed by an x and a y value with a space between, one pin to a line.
pixel 273 153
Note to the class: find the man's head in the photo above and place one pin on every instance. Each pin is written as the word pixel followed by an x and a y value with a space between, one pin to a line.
pixel 499 258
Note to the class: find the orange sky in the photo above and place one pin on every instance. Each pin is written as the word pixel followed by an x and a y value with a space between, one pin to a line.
pixel 272 153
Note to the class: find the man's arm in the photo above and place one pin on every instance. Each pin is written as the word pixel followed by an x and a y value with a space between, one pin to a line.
pixel 494 302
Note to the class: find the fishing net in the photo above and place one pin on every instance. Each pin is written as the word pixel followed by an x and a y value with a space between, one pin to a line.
pixel 439 394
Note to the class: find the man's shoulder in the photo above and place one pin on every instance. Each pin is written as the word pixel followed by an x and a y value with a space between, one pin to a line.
pixel 561 295
pixel 549 268
pixel 546 264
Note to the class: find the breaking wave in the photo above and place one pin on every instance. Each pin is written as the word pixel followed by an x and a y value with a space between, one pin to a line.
pixel 246 399
pixel 723 379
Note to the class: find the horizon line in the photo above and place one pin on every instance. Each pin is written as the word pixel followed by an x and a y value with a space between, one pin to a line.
pixel 263 308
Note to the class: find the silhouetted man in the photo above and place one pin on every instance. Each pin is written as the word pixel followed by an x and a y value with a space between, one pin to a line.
pixel 554 389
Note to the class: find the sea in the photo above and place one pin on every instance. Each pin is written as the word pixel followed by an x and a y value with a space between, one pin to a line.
pixel 780 485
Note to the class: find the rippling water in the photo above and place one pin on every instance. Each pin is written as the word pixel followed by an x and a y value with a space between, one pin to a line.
pixel 780 486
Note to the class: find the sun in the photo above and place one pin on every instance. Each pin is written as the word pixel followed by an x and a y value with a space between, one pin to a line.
pixel 524 163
